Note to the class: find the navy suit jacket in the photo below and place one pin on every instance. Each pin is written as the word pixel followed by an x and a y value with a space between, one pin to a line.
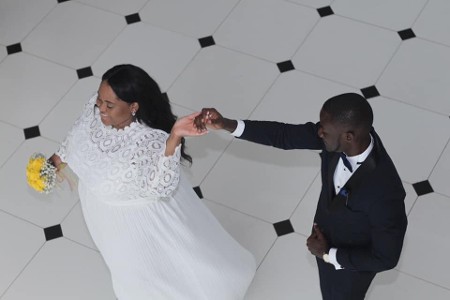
pixel 366 223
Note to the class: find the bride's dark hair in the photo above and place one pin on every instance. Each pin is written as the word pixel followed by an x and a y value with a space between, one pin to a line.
pixel 132 84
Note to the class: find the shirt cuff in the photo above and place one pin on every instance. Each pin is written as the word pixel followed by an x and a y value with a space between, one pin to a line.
pixel 239 128
pixel 333 259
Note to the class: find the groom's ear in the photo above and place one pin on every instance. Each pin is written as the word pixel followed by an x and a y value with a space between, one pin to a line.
pixel 349 136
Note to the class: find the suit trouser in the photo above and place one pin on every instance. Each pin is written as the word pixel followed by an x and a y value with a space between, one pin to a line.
pixel 343 284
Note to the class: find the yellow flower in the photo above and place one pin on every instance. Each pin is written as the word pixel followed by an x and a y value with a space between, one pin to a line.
pixel 41 175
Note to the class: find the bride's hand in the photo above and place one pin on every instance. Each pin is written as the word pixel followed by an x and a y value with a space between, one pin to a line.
pixel 185 126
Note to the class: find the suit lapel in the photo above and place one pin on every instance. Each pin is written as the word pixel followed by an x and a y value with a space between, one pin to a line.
pixel 334 158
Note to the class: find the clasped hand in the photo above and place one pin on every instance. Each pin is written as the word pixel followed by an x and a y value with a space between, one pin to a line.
pixel 317 243
pixel 198 123
pixel 209 118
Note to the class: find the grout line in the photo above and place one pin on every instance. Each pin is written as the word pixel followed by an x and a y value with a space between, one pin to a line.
pixel 81 244
pixel 238 211
pixel 233 140
pixel 422 279
pixel 38 23
pixel 226 17
pixel 216 161
pixel 420 13
pixel 306 192
pixel 21 219
pixel 13 152
pixel 267 253
pixel 439 158
pixel 443 114
pixel 22 270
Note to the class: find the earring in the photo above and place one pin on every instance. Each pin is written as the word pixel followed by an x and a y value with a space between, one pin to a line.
pixel 133 113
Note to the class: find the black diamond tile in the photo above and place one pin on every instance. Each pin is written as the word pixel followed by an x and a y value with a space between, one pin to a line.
pixel 14 48
pixel 53 232
pixel 370 92
pixel 325 11
pixel 133 18
pixel 422 188
pixel 283 227
pixel 84 72
pixel 285 66
pixel 207 41
pixel 406 34
pixel 198 191
pixel 31 132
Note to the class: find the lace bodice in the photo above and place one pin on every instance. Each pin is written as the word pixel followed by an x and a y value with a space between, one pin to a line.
pixel 120 165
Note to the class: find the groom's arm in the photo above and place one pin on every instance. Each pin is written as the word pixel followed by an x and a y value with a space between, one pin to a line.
pixel 282 135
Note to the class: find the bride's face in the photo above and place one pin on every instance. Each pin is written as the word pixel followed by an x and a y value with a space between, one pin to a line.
pixel 113 111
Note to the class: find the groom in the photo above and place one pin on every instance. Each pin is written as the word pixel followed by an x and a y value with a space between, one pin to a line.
pixel 360 221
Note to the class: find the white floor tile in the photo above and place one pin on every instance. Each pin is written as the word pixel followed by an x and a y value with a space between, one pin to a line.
pixel 411 197
pixel 20 242
pixel 439 179
pixel 418 74
pixel 255 235
pixel 303 217
pixel 18 18
pixel 20 200
pixel 313 3
pixel 433 23
pixel 117 6
pixel 63 270
pixel 248 187
pixel 185 17
pixel 414 161
pixel 163 54
pixel 75 229
pixel 296 98
pixel 395 285
pixel 3 52
pixel 288 272
pixel 59 121
pixel 32 86
pixel 260 27
pixel 261 181
pixel 11 138
pixel 347 51
pixel 91 30
pixel 230 81
pixel 396 15
pixel 204 150
pixel 427 240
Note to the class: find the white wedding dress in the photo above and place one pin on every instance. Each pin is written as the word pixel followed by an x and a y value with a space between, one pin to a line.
pixel 154 233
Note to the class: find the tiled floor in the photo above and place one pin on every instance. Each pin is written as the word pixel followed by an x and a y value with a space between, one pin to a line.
pixel 260 59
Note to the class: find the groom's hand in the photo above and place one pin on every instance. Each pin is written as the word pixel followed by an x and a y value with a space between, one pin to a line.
pixel 185 126
pixel 211 118
pixel 317 243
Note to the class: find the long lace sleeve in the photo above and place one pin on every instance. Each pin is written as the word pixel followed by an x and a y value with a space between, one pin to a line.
pixel 158 175
pixel 87 114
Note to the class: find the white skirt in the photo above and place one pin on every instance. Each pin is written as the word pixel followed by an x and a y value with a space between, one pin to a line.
pixel 172 248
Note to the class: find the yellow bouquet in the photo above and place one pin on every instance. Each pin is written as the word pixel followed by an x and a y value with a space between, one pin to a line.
pixel 41 174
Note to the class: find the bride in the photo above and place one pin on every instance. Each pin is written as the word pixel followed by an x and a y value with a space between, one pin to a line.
pixel 155 235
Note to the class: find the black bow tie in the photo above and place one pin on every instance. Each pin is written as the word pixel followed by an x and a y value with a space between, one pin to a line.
pixel 346 162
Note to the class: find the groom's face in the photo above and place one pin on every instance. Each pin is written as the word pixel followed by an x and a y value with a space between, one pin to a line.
pixel 331 133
